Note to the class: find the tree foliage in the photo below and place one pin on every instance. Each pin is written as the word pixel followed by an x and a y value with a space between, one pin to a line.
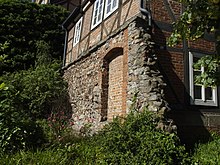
pixel 23 25
pixel 198 18
pixel 31 46
pixel 26 97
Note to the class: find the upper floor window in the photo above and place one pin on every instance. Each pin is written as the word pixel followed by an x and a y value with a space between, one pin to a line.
pixel 97 12
pixel 77 32
pixel 110 7
pixel 200 94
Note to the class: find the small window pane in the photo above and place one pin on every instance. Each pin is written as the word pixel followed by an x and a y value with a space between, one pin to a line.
pixel 195 59
pixel 96 13
pixel 99 17
pixel 195 74
pixel 108 8
pixel 208 93
pixel 77 32
pixel 197 92
pixel 114 3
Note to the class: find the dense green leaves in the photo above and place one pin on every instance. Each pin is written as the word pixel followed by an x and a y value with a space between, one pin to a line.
pixel 211 76
pixel 26 96
pixel 34 90
pixel 31 46
pixel 131 140
pixel 23 25
pixel 200 17
pixel 208 153
pixel 136 140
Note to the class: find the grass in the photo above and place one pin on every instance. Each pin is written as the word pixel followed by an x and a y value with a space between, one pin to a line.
pixel 134 141
pixel 83 152
pixel 47 156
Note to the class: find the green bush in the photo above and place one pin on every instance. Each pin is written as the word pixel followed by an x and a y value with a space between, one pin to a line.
pixel 35 90
pixel 208 153
pixel 25 97
pixel 17 131
pixel 31 86
pixel 136 140
pixel 131 140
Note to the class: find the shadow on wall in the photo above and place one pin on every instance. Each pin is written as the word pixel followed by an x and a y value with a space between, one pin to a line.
pixel 62 106
pixel 189 120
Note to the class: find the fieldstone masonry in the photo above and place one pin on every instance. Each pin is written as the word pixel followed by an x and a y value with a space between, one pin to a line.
pixel 85 92
pixel 142 77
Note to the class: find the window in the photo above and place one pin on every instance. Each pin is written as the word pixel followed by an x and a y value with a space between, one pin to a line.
pixel 200 95
pixel 97 13
pixel 77 32
pixel 110 7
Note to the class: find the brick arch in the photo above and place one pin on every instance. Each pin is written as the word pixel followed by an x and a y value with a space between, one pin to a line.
pixel 113 84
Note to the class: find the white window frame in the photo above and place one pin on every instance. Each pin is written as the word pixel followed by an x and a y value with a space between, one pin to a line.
pixel 109 3
pixel 77 32
pixel 202 101
pixel 97 10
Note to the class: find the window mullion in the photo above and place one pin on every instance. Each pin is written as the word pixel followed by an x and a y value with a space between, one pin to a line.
pixel 203 93
pixel 203 87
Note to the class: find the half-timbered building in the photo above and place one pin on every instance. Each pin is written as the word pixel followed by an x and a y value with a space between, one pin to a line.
pixel 116 51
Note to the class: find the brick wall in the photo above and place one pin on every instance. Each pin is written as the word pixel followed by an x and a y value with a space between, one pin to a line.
pixel 122 56
pixel 193 122
pixel 115 87
pixel 103 82
pixel 173 61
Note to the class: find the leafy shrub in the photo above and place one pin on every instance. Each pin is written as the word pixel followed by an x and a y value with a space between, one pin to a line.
pixel 136 140
pixel 25 97
pixel 57 129
pixel 58 123
pixel 16 130
pixel 208 153
pixel 34 91
pixel 131 140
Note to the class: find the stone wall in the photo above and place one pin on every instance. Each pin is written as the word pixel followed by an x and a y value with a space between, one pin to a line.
pixel 144 78
pixel 102 83
pixel 89 86
pixel 85 92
